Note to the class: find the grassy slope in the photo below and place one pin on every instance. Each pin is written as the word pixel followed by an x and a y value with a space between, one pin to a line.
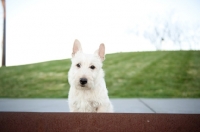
pixel 141 74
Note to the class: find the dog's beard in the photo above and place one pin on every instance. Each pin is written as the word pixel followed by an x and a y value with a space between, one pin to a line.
pixel 87 86
pixel 83 87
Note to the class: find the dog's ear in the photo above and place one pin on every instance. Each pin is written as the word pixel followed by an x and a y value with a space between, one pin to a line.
pixel 76 47
pixel 101 52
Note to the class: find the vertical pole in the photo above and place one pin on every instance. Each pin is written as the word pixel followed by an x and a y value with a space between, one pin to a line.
pixel 4 33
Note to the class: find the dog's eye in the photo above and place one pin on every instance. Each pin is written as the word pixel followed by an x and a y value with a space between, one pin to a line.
pixel 78 65
pixel 92 67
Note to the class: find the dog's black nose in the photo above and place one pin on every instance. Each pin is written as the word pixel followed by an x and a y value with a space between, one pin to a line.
pixel 83 81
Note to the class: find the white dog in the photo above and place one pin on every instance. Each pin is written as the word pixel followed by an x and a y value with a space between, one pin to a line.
pixel 88 91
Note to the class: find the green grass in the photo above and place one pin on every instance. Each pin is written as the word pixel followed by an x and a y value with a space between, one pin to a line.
pixel 161 74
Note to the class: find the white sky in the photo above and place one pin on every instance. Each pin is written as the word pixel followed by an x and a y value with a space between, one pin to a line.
pixel 41 30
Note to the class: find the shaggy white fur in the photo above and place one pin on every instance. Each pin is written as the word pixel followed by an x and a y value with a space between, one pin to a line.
pixel 88 92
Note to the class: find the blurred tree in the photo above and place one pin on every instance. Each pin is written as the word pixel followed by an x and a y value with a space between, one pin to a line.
pixel 4 33
pixel 168 28
pixel 159 30
pixel 194 36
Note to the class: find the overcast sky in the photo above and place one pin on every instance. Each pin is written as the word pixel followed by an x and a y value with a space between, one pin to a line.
pixel 41 30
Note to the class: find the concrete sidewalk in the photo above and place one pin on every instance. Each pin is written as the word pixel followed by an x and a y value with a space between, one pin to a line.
pixel 135 105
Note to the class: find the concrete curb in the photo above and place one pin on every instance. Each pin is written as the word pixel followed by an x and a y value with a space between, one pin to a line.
pixel 132 105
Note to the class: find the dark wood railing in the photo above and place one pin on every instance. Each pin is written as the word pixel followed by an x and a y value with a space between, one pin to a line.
pixel 105 122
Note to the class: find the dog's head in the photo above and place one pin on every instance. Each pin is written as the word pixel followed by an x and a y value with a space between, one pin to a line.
pixel 86 69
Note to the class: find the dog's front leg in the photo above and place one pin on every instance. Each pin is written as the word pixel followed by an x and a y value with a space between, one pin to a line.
pixel 105 109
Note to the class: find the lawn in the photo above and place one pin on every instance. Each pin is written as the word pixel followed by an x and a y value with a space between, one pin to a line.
pixel 160 74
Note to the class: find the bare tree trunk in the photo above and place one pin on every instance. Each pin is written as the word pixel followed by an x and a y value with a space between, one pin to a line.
pixel 4 33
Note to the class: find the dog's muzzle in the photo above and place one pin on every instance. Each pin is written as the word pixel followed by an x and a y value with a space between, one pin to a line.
pixel 83 81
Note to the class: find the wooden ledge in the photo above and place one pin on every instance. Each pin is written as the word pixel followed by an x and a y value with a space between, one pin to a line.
pixel 66 122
